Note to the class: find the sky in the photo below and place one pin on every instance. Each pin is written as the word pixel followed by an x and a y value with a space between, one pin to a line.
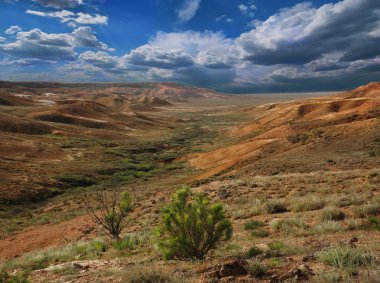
pixel 236 46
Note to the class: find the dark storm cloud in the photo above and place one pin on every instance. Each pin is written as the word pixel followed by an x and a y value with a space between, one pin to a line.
pixel 303 33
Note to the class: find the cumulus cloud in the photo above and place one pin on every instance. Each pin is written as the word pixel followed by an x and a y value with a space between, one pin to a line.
pixel 99 59
pixel 66 16
pixel 60 4
pixel 13 30
pixel 303 33
pixel 188 10
pixel 44 46
pixel 153 56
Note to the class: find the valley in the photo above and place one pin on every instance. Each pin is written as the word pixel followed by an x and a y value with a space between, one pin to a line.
pixel 283 166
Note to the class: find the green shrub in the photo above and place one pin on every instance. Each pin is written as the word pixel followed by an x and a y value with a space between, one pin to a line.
pixel 276 206
pixel 374 223
pixel 192 226
pixel 277 249
pixel 333 214
pixel 345 257
pixel 253 224
pixel 370 209
pixel 260 233
pixel 256 269
pixel 307 204
pixel 254 252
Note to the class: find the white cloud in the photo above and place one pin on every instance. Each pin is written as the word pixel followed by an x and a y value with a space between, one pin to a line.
pixel 153 56
pixel 60 4
pixel 2 39
pixel 40 45
pixel 224 18
pixel 188 10
pixel 13 30
pixel 248 10
pixel 71 18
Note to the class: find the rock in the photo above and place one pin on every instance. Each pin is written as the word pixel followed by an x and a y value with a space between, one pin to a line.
pixel 234 268
pixel 308 258
pixel 303 272
pixel 353 241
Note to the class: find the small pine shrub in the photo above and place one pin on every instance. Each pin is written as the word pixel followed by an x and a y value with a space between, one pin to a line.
pixel 254 252
pixel 276 206
pixel 253 224
pixel 256 269
pixel 192 226
pixel 332 214
pixel 345 257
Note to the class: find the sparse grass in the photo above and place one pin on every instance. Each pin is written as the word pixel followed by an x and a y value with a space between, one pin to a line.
pixel 275 206
pixel 41 259
pixel 129 242
pixel 289 226
pixel 155 275
pixel 370 209
pixel 332 214
pixel 260 233
pixel 253 224
pixel 326 227
pixel 307 204
pixel 328 277
pixel 345 257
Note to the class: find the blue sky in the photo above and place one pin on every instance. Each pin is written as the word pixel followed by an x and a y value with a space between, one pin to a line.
pixel 228 45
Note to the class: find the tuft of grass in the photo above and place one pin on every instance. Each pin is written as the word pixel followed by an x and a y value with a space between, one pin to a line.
pixel 374 223
pixel 332 214
pixel 253 224
pixel 155 275
pixel 326 227
pixel 260 233
pixel 328 277
pixel 307 204
pixel 370 209
pixel 276 206
pixel 345 257
pixel 254 252
pixel 289 226
pixel 41 259
pixel 256 269
pixel 278 249
pixel 129 242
